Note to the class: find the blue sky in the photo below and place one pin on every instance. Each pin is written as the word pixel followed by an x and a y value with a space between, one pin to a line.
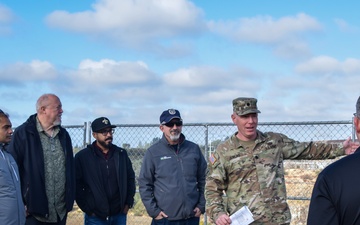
pixel 130 60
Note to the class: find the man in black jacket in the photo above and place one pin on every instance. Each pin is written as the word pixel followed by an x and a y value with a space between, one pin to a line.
pixel 335 198
pixel 44 154
pixel 105 179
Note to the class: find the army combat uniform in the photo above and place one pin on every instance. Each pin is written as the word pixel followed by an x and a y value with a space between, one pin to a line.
pixel 251 173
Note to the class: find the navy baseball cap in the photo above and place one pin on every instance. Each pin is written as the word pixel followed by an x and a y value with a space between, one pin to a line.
pixel 168 115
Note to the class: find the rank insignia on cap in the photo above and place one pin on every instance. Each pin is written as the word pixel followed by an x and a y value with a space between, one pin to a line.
pixel 212 158
pixel 105 121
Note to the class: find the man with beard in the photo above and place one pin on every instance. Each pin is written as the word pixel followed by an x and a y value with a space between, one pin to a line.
pixel 44 154
pixel 172 176
pixel 105 179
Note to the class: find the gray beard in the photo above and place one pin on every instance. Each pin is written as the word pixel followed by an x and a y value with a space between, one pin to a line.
pixel 174 137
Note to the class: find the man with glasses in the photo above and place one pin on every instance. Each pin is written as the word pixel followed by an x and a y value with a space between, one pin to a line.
pixel 43 151
pixel 12 209
pixel 172 176
pixel 335 198
pixel 105 179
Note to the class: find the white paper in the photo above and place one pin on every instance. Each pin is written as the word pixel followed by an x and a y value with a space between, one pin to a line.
pixel 242 217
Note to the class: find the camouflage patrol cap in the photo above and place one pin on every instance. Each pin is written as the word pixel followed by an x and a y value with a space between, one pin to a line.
pixel 243 106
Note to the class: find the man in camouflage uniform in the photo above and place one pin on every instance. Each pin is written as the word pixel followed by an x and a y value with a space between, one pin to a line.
pixel 248 169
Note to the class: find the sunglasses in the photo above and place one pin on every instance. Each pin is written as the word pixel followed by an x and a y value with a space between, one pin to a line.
pixel 172 123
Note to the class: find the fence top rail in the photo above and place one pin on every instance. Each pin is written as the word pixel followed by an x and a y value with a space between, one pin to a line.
pixel 227 124
pixel 74 126
pixel 307 122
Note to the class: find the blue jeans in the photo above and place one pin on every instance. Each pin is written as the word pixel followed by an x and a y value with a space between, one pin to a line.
pixel 164 221
pixel 119 219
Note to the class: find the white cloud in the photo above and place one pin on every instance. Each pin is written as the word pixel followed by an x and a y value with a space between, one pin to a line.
pixel 132 22
pixel 209 77
pixel 6 17
pixel 110 72
pixel 36 70
pixel 265 29
pixel 285 35
pixel 329 65
pixel 344 26
pixel 293 50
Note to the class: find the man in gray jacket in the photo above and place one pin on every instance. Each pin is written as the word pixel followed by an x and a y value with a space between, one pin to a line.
pixel 12 209
pixel 172 176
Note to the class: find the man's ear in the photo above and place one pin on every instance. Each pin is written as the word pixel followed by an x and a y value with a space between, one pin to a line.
pixel 233 117
pixel 357 124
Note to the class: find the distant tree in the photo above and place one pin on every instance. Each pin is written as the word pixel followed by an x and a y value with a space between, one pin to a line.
pixel 140 145
pixel 126 145
pixel 155 139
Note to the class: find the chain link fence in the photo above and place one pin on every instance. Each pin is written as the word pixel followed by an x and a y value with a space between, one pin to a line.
pixel 300 174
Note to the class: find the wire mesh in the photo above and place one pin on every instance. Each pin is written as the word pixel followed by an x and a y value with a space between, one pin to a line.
pixel 300 175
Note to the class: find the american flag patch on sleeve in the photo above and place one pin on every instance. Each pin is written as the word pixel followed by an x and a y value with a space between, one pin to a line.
pixel 212 158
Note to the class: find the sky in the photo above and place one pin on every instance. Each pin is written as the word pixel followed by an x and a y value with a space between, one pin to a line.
pixel 130 60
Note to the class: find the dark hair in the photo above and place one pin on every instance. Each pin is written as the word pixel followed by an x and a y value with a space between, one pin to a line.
pixel 3 114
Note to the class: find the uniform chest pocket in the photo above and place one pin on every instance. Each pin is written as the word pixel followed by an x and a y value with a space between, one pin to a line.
pixel 241 166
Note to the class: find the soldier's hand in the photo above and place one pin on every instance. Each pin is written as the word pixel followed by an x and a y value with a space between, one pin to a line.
pixel 223 220
pixel 349 146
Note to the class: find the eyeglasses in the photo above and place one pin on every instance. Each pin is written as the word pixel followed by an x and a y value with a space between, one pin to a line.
pixel 105 132
pixel 172 123
pixel 356 115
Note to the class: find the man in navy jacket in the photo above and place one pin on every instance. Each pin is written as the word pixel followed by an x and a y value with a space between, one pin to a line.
pixel 335 198
pixel 172 176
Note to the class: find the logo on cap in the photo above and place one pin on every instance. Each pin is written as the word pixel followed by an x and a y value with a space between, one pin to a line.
pixel 105 121
pixel 172 111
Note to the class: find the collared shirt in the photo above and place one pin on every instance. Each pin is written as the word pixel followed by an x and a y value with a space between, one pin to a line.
pixel 54 163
